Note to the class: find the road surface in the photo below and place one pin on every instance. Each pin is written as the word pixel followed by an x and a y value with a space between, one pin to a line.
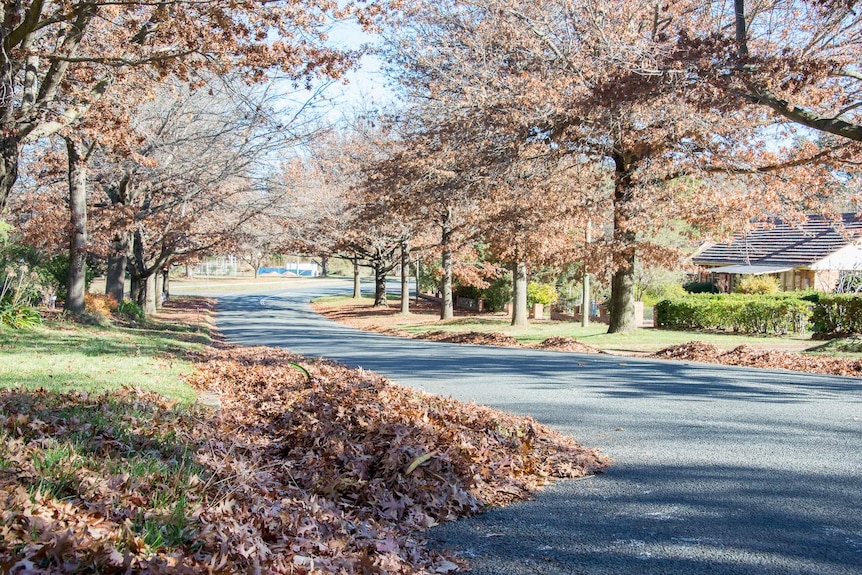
pixel 718 470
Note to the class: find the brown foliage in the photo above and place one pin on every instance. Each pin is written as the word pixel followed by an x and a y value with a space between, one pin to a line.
pixel 337 471
pixel 567 344
pixel 472 337
pixel 749 357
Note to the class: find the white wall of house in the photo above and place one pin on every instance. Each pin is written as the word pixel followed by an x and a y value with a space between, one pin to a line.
pixel 847 258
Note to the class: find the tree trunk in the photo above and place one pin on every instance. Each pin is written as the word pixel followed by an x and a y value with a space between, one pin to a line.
pixel 447 308
pixel 159 288
pixel 150 295
pixel 622 304
pixel 138 268
pixel 166 283
pixel 357 281
pixel 324 266
pixel 405 278
pixel 586 306
pixel 519 294
pixel 115 284
pixel 585 300
pixel 115 277
pixel 137 291
pixel 418 275
pixel 77 281
pixel 380 285
pixel 10 151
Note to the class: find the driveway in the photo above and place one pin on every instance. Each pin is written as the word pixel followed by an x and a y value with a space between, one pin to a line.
pixel 717 470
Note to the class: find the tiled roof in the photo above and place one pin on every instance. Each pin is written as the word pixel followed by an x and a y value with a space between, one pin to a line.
pixel 784 244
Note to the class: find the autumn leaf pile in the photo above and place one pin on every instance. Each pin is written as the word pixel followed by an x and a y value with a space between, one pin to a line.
pixel 569 344
pixel 471 337
pixel 750 357
pixel 307 468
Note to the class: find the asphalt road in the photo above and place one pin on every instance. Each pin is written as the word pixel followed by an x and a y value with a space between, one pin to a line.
pixel 718 470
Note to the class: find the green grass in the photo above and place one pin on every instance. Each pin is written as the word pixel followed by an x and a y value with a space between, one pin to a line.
pixel 640 340
pixel 63 356
pixel 643 340
pixel 846 346
pixel 338 299
pixel 62 439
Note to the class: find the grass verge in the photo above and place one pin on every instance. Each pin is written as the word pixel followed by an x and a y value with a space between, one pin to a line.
pixel 107 466
pixel 63 355
pixel 425 319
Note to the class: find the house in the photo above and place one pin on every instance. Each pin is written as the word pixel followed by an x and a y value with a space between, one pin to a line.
pixel 817 254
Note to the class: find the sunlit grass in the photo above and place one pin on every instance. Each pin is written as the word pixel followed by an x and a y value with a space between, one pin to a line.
pixel 642 340
pixel 64 356
pixel 845 346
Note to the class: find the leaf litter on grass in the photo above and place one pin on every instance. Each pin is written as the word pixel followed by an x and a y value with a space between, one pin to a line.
pixel 747 356
pixel 329 470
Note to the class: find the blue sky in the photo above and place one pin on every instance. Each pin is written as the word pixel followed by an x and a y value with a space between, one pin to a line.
pixel 367 84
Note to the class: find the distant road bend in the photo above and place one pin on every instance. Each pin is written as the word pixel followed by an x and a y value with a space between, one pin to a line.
pixel 718 470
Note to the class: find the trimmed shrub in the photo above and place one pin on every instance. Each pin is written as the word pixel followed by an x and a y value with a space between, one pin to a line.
pixel 654 294
pixel 740 313
pixel 838 314
pixel 763 285
pixel 700 287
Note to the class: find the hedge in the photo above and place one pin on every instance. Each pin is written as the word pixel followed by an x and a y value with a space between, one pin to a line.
pixel 775 314
pixel 838 314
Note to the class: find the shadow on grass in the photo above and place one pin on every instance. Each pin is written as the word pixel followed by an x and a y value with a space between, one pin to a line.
pixel 170 333
pixel 852 344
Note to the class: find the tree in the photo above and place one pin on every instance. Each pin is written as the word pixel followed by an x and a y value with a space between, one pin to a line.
pixel 189 181
pixel 538 209
pixel 437 177
pixel 799 58
pixel 106 44
pixel 59 59
pixel 602 82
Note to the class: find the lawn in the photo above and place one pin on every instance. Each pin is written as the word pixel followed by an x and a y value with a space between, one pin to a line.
pixel 361 314
pixel 108 465
pixel 64 355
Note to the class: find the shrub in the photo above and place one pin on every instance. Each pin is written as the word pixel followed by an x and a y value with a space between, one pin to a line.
pixel 17 295
pixel 471 292
pixel 700 287
pixel 498 294
pixel 100 304
pixel 130 310
pixel 655 294
pixel 19 315
pixel 838 314
pixel 55 273
pixel 429 277
pixel 545 294
pixel 738 312
pixel 763 285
